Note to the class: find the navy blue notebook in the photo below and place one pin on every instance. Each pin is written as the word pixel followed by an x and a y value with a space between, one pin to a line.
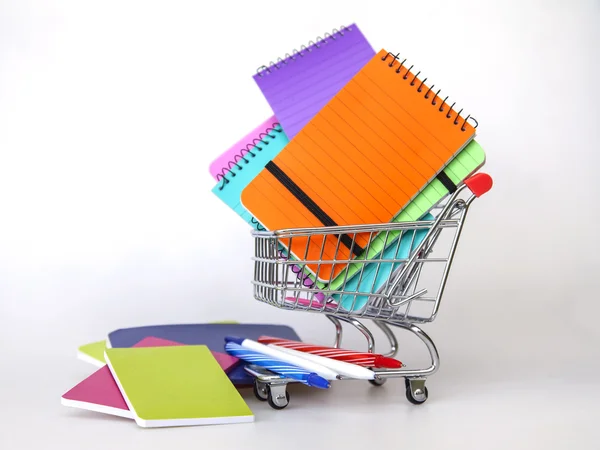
pixel 210 334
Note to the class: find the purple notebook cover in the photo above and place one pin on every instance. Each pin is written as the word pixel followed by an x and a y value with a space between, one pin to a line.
pixel 298 86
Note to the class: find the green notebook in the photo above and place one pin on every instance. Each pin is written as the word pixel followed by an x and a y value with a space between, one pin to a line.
pixel 176 386
pixel 469 160
pixel 93 353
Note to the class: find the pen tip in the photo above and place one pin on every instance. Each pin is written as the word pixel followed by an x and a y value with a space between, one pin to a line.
pixel 387 362
pixel 317 381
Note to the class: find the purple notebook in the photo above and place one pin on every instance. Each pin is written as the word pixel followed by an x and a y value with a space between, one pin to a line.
pixel 298 86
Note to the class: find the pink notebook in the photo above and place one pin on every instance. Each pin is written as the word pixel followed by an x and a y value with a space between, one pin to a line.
pixel 220 166
pixel 99 392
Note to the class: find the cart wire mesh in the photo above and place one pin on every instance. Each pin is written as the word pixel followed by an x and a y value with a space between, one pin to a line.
pixel 399 276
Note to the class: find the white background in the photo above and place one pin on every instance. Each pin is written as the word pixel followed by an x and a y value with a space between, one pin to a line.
pixel 110 113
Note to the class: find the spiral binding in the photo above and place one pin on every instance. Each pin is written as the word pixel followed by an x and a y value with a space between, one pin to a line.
pixel 312 45
pixel 255 222
pixel 244 152
pixel 414 81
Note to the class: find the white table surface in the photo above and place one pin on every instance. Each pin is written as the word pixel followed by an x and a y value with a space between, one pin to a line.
pixel 109 116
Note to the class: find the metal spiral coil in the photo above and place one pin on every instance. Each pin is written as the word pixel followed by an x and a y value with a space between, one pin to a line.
pixel 242 156
pixel 434 102
pixel 257 224
pixel 304 49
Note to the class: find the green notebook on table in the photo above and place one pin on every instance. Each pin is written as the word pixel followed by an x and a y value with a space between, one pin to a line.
pixel 176 386
pixel 93 353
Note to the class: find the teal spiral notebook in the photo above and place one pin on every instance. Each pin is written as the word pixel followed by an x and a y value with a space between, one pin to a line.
pixel 246 166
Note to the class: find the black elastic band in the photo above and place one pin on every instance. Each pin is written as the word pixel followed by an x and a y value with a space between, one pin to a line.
pixel 309 204
pixel 446 181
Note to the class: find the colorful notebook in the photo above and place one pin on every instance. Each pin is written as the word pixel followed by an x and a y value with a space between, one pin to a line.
pixel 92 353
pixel 242 149
pixel 100 393
pixel 176 386
pixel 211 335
pixel 299 85
pixel 361 159
pixel 238 172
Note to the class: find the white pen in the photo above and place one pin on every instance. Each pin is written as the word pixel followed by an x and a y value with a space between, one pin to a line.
pixel 277 353
pixel 343 368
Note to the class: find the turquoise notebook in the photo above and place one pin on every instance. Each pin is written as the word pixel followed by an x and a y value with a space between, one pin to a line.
pixel 243 170
pixel 373 280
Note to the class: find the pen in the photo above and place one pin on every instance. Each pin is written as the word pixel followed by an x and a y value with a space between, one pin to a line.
pixel 277 354
pixel 364 359
pixel 343 368
pixel 279 367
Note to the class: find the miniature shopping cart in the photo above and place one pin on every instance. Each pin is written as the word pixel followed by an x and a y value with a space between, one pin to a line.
pixel 400 287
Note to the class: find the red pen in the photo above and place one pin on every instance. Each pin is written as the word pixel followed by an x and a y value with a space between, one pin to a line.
pixel 364 359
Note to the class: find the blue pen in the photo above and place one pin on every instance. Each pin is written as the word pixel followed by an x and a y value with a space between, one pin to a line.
pixel 280 367
pixel 279 355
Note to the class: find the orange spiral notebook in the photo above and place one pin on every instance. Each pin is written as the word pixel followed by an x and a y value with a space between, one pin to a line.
pixel 360 160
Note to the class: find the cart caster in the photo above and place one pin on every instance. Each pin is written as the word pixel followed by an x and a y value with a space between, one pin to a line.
pixel 416 391
pixel 261 391
pixel 377 381
pixel 278 396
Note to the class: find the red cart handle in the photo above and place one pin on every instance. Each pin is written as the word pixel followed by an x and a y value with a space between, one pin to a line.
pixel 479 183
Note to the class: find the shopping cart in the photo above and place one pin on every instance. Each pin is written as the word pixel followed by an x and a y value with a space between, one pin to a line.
pixel 400 287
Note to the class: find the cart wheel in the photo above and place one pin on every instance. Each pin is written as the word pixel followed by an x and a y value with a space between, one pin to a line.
pixel 278 397
pixel 417 396
pixel 416 391
pixel 377 381
pixel 261 391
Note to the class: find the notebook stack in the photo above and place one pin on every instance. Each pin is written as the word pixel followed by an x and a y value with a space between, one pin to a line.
pixel 169 375
pixel 357 137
